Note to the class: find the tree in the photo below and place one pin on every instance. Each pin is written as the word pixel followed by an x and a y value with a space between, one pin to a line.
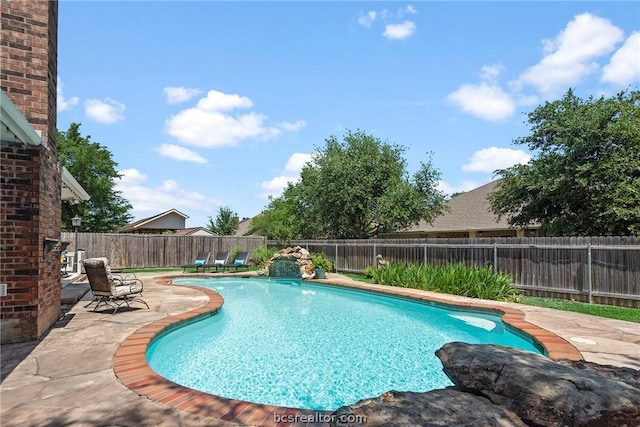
pixel 92 166
pixel 356 188
pixel 585 177
pixel 286 217
pixel 225 222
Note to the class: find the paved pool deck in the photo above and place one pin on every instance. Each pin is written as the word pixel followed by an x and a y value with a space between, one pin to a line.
pixel 90 370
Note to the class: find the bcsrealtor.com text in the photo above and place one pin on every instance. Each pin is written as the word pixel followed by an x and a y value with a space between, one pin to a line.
pixel 319 417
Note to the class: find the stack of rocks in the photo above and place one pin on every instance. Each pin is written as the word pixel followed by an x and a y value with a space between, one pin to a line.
pixel 300 255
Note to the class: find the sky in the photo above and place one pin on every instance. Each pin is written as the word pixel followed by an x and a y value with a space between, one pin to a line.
pixel 210 104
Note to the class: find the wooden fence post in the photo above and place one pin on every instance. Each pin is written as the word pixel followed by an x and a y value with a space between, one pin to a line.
pixel 425 254
pixel 589 279
pixel 375 254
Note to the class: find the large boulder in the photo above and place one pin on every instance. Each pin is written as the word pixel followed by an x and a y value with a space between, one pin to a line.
pixel 504 386
pixel 447 407
pixel 541 391
pixel 617 373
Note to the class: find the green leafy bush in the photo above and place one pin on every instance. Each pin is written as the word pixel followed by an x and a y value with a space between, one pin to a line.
pixel 233 253
pixel 262 255
pixel 369 271
pixel 455 279
pixel 321 261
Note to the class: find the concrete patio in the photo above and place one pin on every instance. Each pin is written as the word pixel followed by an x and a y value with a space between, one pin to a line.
pixel 67 377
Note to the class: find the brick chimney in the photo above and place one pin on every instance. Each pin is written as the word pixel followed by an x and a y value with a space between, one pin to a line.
pixel 30 176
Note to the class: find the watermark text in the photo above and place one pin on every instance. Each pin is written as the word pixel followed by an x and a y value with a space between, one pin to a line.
pixel 319 417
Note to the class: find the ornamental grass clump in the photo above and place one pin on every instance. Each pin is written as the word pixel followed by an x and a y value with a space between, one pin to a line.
pixel 262 255
pixel 455 279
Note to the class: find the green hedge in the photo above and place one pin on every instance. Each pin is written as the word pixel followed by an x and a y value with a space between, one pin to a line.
pixel 456 279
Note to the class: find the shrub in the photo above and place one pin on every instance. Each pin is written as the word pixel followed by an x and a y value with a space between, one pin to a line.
pixel 456 279
pixel 321 261
pixel 233 253
pixel 262 255
pixel 369 271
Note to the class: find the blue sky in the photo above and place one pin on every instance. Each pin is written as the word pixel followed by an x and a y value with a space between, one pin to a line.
pixel 206 104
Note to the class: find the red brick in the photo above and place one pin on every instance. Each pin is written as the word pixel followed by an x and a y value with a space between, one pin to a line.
pixel 30 175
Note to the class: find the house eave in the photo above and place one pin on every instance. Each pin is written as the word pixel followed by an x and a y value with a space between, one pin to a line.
pixel 15 128
pixel 71 189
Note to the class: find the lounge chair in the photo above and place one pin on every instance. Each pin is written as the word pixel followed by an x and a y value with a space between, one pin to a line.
pixel 241 261
pixel 219 261
pixel 200 261
pixel 110 289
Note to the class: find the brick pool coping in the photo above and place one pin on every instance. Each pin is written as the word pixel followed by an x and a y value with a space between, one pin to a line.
pixel 131 367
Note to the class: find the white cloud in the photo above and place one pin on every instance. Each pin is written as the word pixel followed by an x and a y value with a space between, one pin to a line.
pixel 219 101
pixel 107 111
pixel 455 188
pixel 64 104
pixel 210 123
pixel 569 57
pixel 169 185
pixel 399 31
pixel 492 158
pixel 572 54
pixel 296 162
pixel 485 100
pixel 392 30
pixel 131 177
pixel 408 9
pixel 490 73
pixel 275 186
pixel 202 128
pixel 292 127
pixel 624 66
pixel 147 200
pixel 178 94
pixel 367 19
pixel 180 153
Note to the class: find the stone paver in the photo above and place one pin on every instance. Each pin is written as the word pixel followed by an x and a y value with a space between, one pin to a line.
pixel 88 370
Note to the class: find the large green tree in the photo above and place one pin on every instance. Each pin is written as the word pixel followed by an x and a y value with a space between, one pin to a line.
pixel 287 217
pixel 225 222
pixel 92 165
pixel 584 178
pixel 354 188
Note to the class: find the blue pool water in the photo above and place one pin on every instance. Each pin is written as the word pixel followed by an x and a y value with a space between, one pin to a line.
pixel 290 343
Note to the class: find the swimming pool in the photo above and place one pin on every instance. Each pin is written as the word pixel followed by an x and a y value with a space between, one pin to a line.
pixel 304 345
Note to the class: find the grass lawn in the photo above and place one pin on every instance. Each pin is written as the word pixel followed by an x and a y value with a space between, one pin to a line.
pixel 358 277
pixel 620 313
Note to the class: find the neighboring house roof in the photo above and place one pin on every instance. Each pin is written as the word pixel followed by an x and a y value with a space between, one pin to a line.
pixel 169 220
pixel 195 231
pixel 243 227
pixel 469 211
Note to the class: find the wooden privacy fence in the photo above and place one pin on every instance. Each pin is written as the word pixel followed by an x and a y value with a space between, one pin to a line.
pixel 155 250
pixel 600 269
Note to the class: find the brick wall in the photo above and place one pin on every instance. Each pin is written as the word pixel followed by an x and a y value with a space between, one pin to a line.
pixel 30 177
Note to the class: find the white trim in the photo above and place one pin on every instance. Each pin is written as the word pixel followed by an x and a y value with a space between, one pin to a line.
pixel 160 215
pixel 71 189
pixel 14 126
